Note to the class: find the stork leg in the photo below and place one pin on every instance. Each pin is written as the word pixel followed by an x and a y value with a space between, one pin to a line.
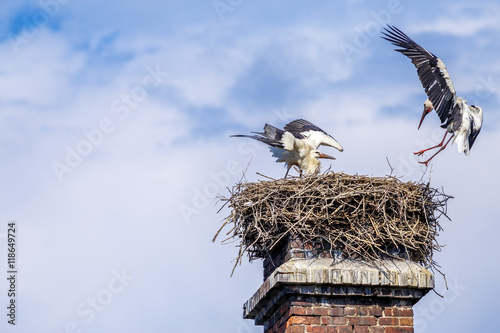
pixel 442 148
pixel 286 174
pixel 421 152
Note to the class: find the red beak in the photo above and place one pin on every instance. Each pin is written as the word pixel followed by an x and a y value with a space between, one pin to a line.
pixel 326 156
pixel 426 112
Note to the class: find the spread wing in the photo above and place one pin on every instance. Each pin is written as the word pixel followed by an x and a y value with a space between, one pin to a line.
pixel 431 71
pixel 272 136
pixel 299 126
pixel 303 129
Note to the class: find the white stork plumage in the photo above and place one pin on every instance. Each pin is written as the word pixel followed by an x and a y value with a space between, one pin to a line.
pixel 297 144
pixel 461 120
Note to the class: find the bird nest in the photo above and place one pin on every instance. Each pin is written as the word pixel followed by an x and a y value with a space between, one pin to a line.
pixel 361 217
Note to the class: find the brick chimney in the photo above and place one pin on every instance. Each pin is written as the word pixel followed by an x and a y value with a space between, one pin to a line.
pixel 306 289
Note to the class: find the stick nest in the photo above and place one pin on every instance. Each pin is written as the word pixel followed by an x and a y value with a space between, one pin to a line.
pixel 364 217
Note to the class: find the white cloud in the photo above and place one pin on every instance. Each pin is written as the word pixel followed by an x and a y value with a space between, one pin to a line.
pixel 121 206
pixel 41 73
pixel 199 73
pixel 462 19
pixel 309 52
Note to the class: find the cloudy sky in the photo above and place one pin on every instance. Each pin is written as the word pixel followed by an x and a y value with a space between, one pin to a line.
pixel 114 141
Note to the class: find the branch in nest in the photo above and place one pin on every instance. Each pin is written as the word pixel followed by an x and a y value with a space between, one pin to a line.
pixel 365 217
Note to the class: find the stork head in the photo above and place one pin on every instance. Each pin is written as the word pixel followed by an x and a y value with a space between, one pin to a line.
pixel 311 164
pixel 427 109
pixel 477 113
pixel 477 122
pixel 477 110
pixel 317 154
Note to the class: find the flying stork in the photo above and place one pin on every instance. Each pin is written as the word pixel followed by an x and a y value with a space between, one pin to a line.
pixel 461 120
pixel 297 144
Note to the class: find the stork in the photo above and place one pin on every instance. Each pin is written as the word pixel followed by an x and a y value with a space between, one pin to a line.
pixel 461 120
pixel 297 144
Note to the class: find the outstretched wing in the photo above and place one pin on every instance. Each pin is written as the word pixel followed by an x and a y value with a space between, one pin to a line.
pixel 299 126
pixel 272 136
pixel 302 129
pixel 267 141
pixel 431 71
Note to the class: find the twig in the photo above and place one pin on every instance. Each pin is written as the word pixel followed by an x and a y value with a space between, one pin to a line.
pixel 365 217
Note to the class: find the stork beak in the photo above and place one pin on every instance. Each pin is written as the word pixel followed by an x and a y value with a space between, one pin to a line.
pixel 322 155
pixel 426 112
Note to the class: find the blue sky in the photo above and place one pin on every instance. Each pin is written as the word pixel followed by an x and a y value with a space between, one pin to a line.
pixel 114 139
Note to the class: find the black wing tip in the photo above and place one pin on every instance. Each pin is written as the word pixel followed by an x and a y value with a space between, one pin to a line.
pixel 473 137
pixel 268 141
pixel 398 38
pixel 299 121
pixel 390 31
pixel 300 124
pixel 244 135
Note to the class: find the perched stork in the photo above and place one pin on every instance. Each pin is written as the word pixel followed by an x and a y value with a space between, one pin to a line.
pixel 461 120
pixel 297 144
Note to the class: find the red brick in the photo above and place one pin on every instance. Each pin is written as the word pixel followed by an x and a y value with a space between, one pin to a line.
pixel 345 329
pixel 362 321
pixel 297 310
pixel 332 329
pixel 377 330
pixel 403 312
pixel 320 311
pixel 376 312
pixel 326 320
pixel 361 329
pixel 316 329
pixel 388 321
pixel 350 311
pixel 406 321
pixel 336 312
pixel 339 321
pixel 303 320
pixel 389 312
pixel 399 330
pixel 403 329
pixel 363 310
pixel 295 329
